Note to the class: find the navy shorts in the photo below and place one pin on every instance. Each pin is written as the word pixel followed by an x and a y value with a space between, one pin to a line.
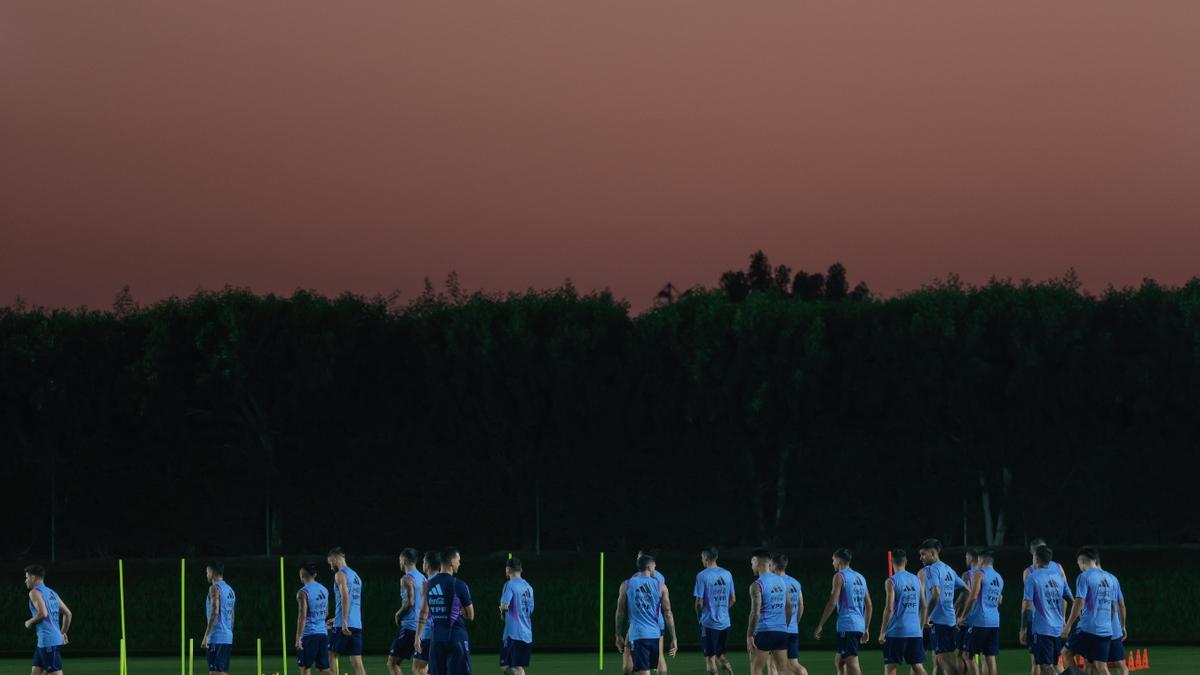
pixel 943 639
pixel 402 646
pixel 346 645
pixel 218 658
pixel 515 653
pixel 1093 648
pixel 450 657
pixel 848 643
pixel 927 638
pixel 1073 640
pixel 961 638
pixel 1044 649
pixel 714 641
pixel 983 641
pixel 908 650
pixel 1116 650
pixel 793 645
pixel 771 641
pixel 644 654
pixel 48 659
pixel 314 651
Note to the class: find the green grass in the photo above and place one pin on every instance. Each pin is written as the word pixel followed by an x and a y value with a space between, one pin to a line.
pixel 1163 661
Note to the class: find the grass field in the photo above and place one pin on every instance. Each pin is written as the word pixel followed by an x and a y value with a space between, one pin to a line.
pixel 1163 661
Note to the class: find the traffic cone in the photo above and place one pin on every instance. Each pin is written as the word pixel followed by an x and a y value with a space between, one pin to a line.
pixel 1146 659
pixel 1131 663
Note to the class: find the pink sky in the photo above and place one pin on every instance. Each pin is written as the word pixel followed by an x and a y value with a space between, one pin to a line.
pixel 364 146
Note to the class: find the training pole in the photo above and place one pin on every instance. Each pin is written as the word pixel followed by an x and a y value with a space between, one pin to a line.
pixel 124 669
pixel 182 614
pixel 283 655
pixel 601 621
pixel 121 589
pixel 191 664
pixel 259 653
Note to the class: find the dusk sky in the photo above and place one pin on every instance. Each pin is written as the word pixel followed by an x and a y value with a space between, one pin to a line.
pixel 364 146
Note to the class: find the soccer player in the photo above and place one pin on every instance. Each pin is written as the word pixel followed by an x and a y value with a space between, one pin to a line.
pixel 448 607
pixel 981 615
pixel 938 584
pixel 411 587
pixel 1033 566
pixel 796 596
pixel 1116 648
pixel 1093 608
pixel 714 596
pixel 431 565
pixel 345 629
pixel 1042 609
pixel 312 604
pixel 643 599
pixel 627 658
pixel 516 608
pixel 218 607
pixel 972 562
pixel 853 605
pixel 770 613
pixel 903 615
pixel 46 609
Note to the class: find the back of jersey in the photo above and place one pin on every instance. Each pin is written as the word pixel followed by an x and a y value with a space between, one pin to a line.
pixel 643 596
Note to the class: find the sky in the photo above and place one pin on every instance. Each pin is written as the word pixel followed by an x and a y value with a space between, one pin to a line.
pixel 364 146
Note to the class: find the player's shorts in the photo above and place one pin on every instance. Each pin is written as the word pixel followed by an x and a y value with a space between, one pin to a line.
pixel 903 650
pixel 960 637
pixel 1116 650
pixel 48 659
pixel 1044 649
pixel 450 657
pixel 983 641
pixel 770 641
pixel 423 655
pixel 942 639
pixel 346 645
pixel 1073 640
pixel 515 653
pixel 402 646
pixel 793 645
pixel 1091 647
pixel 314 652
pixel 927 638
pixel 644 654
pixel 218 657
pixel 848 643
pixel 714 641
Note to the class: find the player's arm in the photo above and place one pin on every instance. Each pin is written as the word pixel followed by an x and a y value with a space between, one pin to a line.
pixel 668 618
pixel 799 606
pixel 752 623
pixel 410 591
pixel 464 597
pixel 868 610
pixel 622 626
pixel 422 618
pixel 214 598
pixel 698 595
pixel 935 596
pixel 924 607
pixel 889 589
pixel 787 605
pixel 829 605
pixel 65 613
pixel 1076 609
pixel 732 595
pixel 301 613
pixel 343 589
pixel 1120 609
pixel 505 598
pixel 39 609
pixel 972 598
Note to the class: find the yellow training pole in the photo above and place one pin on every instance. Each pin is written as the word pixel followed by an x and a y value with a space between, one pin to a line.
pixel 601 622
pixel 259 652
pixel 182 614
pixel 121 589
pixel 283 655
pixel 191 663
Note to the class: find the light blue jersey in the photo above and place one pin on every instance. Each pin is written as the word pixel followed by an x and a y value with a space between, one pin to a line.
pixel 222 632
pixel 985 613
pixel 1095 588
pixel 1118 597
pixel 354 586
pixel 518 619
pixel 771 614
pixel 662 581
pixel 906 607
pixel 317 597
pixel 714 588
pixel 49 633
pixel 793 588
pixel 643 595
pixel 939 575
pixel 1046 589
pixel 851 601
pixel 409 620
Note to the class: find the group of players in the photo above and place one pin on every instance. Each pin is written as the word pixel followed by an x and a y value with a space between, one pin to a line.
pixel 956 617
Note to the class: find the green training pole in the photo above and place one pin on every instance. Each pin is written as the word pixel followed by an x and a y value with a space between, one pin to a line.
pixel 282 620
pixel 259 652
pixel 601 622
pixel 182 615
pixel 191 664
pixel 124 669
pixel 121 589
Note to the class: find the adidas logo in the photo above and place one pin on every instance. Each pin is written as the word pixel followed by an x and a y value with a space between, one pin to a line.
pixel 995 582
pixel 719 582
pixel 436 590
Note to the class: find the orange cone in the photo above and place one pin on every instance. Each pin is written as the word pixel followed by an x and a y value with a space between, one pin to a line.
pixel 1130 663
pixel 1146 659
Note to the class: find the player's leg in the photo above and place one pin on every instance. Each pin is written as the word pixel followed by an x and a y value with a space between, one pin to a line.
pixel 662 658
pixel 627 657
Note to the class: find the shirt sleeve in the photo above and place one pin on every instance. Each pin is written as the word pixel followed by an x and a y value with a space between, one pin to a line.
pixel 1066 592
pixel 1118 596
pixel 531 600
pixel 959 583
pixel 1028 590
pixel 506 595
pixel 1081 588
pixel 464 593
pixel 699 590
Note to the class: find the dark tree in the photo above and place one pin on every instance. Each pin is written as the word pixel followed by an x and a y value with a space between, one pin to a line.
pixel 836 285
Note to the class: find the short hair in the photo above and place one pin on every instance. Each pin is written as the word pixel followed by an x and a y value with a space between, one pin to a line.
pixel 410 554
pixel 448 554
pixel 644 562
pixel 645 550
pixel 781 560
pixel 309 569
pixel 843 554
pixel 988 555
pixel 761 554
pixel 1033 545
pixel 433 559
pixel 1043 554
pixel 1090 553
pixel 36 570
pixel 514 564
pixel 217 567
pixel 336 550
pixel 710 552
pixel 899 556
pixel 974 551
pixel 931 545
